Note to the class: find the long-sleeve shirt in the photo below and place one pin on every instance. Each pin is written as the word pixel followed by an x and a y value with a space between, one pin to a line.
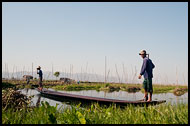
pixel 147 67
pixel 40 73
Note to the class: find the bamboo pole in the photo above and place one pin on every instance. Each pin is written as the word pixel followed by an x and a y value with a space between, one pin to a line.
pixel 107 78
pixel 176 76
pixel 65 73
pixel 132 74
pixel 48 75
pixel 70 71
pixel 96 77
pixel 28 71
pixel 81 73
pixel 183 79
pixel 7 71
pixel 62 72
pixel 13 71
pixel 32 69
pixel 23 70
pixel 117 73
pixel 52 71
pixel 135 73
pixel 85 71
pixel 105 69
pixel 124 73
pixel 16 73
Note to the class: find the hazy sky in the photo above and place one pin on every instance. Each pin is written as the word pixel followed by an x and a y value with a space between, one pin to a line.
pixel 82 34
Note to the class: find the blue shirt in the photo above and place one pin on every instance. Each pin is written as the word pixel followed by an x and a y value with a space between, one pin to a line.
pixel 147 67
pixel 40 73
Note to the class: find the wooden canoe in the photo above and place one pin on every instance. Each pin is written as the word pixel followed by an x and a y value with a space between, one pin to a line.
pixel 50 93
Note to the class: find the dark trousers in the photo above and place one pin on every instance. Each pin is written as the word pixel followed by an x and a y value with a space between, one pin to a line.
pixel 40 81
pixel 28 81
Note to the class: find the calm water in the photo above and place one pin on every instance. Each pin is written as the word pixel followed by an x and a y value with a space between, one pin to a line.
pixel 121 95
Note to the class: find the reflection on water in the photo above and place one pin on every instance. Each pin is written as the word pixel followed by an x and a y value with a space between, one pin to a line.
pixel 121 95
pixel 37 99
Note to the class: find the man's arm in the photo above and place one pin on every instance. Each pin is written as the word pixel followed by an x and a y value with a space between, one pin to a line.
pixel 143 67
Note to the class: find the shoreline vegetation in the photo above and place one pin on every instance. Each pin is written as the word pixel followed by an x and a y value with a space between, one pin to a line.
pixel 107 87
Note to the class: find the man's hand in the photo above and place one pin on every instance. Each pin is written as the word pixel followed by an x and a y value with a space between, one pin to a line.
pixel 139 77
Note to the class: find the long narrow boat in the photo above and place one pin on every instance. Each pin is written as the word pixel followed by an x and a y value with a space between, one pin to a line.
pixel 50 93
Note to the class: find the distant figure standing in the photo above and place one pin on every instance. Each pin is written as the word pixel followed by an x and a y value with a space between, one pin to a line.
pixel 146 70
pixel 39 71
pixel 78 82
pixel 28 80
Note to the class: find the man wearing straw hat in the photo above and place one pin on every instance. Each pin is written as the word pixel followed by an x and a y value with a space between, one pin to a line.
pixel 146 70
pixel 39 71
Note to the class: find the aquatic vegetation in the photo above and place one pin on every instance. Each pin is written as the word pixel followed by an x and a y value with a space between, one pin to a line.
pixel 110 87
pixel 7 85
pixel 76 87
pixel 180 91
pixel 164 88
pixel 95 114
pixel 14 99
pixel 133 89
pixel 16 111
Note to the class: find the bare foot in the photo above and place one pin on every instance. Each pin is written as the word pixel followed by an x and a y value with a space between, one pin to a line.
pixel 149 100
pixel 145 98
pixel 40 88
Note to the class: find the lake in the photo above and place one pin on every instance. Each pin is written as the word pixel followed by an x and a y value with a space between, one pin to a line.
pixel 121 95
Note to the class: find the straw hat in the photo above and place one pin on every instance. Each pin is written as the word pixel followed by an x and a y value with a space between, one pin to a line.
pixel 142 52
pixel 39 67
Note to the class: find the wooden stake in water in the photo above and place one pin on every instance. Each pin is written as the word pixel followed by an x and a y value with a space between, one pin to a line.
pixel 13 71
pixel 107 78
pixel 16 73
pixel 176 76
pixel 7 70
pixel 117 73
pixel 183 79
pixel 86 75
pixel 124 73
pixel 52 71
pixel 72 71
pixel 105 69
pixel 32 69
pixel 81 73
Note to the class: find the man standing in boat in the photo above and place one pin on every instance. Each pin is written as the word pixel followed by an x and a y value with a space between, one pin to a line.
pixel 146 71
pixel 39 71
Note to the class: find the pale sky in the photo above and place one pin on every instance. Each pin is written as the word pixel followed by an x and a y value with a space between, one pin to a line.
pixel 82 34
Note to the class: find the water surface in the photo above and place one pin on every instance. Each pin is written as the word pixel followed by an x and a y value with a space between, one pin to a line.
pixel 121 95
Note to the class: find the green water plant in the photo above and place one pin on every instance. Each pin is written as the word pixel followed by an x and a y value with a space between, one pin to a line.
pixel 95 114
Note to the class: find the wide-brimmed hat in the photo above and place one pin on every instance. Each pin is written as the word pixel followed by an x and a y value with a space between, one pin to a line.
pixel 142 52
pixel 39 67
